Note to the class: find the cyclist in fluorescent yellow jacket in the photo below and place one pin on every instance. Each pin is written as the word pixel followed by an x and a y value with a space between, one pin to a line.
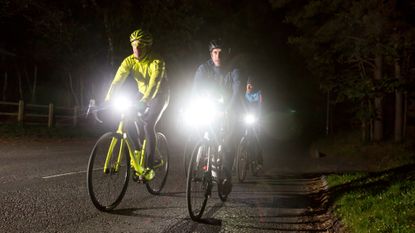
pixel 149 74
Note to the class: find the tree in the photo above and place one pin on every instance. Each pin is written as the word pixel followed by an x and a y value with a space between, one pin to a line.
pixel 342 41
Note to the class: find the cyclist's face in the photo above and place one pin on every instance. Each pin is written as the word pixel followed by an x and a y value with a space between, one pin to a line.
pixel 249 88
pixel 216 56
pixel 136 48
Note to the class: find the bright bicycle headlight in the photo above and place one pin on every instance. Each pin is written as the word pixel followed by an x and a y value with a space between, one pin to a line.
pixel 121 104
pixel 250 119
pixel 201 112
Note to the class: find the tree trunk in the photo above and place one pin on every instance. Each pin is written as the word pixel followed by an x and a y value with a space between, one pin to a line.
pixel 34 84
pixel 75 98
pixel 26 76
pixel 328 118
pixel 378 124
pixel 108 33
pixel 81 91
pixel 371 120
pixel 4 87
pixel 405 113
pixel 19 78
pixel 398 129
pixel 365 123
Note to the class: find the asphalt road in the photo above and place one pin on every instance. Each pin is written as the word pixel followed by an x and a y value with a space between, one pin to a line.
pixel 43 189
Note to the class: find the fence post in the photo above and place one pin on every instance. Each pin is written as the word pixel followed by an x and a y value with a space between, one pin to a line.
pixel 21 112
pixel 75 115
pixel 50 116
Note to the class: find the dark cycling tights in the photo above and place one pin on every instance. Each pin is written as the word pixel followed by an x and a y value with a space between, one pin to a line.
pixel 156 109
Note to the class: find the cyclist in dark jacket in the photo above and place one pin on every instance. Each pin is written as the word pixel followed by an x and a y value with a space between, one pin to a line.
pixel 214 75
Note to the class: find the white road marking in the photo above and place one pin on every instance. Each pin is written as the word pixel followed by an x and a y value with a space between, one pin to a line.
pixel 63 174
pixel 69 173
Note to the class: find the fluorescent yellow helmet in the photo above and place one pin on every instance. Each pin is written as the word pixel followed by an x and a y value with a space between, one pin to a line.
pixel 143 37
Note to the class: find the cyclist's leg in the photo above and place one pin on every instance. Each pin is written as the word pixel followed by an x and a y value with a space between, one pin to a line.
pixel 156 109
pixel 229 156
pixel 259 157
pixel 133 134
pixel 231 141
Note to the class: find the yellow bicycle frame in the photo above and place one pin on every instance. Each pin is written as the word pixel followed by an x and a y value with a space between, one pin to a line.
pixel 137 161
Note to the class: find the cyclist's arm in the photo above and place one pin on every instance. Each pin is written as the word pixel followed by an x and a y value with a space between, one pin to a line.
pixel 236 85
pixel 199 80
pixel 122 73
pixel 260 104
pixel 156 72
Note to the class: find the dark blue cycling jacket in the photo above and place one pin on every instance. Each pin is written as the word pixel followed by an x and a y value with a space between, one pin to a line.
pixel 218 81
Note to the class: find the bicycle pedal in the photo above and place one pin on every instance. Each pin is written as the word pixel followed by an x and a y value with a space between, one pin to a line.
pixel 137 178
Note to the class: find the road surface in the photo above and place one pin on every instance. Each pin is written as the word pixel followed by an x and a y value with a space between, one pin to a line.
pixel 43 189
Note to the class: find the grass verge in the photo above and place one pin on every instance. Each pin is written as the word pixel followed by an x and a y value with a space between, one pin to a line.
pixel 375 202
pixel 378 201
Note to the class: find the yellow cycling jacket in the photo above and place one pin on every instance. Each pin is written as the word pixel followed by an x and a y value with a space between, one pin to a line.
pixel 148 73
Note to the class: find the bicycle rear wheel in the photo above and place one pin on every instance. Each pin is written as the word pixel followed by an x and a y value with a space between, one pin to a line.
pixel 242 159
pixel 199 182
pixel 107 187
pixel 160 165
pixel 254 158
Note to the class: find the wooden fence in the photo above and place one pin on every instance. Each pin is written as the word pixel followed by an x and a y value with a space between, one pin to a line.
pixel 50 112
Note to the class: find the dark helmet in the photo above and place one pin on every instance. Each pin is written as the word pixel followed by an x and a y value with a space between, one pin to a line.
pixel 216 44
pixel 250 80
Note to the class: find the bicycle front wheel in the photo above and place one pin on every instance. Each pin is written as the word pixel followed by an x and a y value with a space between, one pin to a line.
pixel 199 182
pixel 187 153
pixel 108 171
pixel 242 159
pixel 160 165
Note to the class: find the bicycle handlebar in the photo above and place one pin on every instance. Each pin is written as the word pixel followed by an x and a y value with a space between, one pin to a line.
pixel 93 109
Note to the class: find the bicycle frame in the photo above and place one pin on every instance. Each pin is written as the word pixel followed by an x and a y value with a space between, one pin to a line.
pixel 214 138
pixel 137 162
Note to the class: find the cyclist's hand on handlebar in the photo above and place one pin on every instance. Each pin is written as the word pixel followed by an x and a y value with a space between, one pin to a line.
pixel 142 107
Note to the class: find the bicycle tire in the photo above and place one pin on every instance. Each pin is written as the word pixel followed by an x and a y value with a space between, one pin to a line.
pixel 161 165
pixel 96 176
pixel 223 197
pixel 253 158
pixel 242 160
pixel 199 181
pixel 187 153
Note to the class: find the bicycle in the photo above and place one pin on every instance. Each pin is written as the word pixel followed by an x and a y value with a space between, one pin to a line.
pixel 206 161
pixel 187 152
pixel 248 149
pixel 114 155
pixel 194 134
